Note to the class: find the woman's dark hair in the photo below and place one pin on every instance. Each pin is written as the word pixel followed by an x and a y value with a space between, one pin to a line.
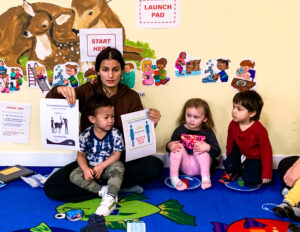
pixel 97 101
pixel 109 53
pixel 251 100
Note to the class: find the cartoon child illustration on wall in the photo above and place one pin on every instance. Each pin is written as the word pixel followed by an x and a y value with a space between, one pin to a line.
pixel 215 70
pixel 72 71
pixel 128 75
pixel 147 76
pixel 90 75
pixel 222 65
pixel 186 66
pixel 59 79
pixel 161 72
pixel 180 62
pixel 3 77
pixel 245 76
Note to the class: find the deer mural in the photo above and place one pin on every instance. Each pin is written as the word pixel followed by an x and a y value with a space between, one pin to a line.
pixel 13 43
pixel 46 48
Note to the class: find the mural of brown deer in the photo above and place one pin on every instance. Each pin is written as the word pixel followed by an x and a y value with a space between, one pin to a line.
pixel 98 14
pixel 48 49
pixel 13 43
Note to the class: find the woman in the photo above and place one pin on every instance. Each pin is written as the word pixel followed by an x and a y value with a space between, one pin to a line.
pixel 109 66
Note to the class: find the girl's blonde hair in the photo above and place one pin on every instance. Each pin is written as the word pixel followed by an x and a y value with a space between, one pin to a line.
pixel 197 102
pixel 144 63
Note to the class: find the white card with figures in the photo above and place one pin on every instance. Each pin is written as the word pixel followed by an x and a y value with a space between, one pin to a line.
pixel 139 135
pixel 59 124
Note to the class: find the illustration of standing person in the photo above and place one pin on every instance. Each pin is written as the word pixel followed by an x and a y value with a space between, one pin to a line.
pixel 148 131
pixel 19 76
pixel 71 70
pixel 246 70
pixel 66 125
pixel 222 65
pixel 52 125
pixel 132 135
pixel 12 74
pixel 180 62
pixel 147 72
pixel 2 68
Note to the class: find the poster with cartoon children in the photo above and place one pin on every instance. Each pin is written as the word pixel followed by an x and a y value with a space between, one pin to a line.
pixel 215 69
pixel 128 74
pixel 186 66
pixel 66 74
pixel 245 76
pixel 154 71
pixel 11 78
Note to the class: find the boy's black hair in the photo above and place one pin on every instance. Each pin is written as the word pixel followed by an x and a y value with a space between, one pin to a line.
pixel 251 100
pixel 97 101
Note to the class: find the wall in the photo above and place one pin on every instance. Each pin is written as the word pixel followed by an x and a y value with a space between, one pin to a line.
pixel 266 31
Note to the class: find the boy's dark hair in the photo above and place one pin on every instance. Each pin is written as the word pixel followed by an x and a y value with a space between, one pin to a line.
pixel 97 101
pixel 251 100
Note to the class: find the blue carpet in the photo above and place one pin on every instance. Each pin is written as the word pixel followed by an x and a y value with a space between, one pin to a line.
pixel 218 209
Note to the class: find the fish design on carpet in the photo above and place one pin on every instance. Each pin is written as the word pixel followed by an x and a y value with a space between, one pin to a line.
pixel 253 225
pixel 43 227
pixel 132 208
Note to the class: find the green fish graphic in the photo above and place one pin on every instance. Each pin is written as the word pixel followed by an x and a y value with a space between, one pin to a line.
pixel 132 208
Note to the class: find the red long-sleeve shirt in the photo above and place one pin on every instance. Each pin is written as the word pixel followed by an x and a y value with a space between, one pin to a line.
pixel 253 143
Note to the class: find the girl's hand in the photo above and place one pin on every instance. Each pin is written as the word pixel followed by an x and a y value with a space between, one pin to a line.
pixel 174 146
pixel 68 92
pixel 98 171
pixel 201 147
pixel 88 174
pixel 265 181
pixel 154 115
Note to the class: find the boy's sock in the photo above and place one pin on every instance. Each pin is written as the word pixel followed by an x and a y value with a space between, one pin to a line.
pixel 177 183
pixel 205 182
pixel 103 191
pixel 132 189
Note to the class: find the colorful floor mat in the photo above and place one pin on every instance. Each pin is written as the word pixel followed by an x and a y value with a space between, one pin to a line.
pixel 161 208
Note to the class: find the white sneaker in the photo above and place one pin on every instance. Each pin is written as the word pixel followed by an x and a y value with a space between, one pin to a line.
pixel 107 205
pixel 103 191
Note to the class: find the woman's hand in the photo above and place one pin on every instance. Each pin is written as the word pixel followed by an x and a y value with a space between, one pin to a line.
pixel 174 146
pixel 68 92
pixel 154 115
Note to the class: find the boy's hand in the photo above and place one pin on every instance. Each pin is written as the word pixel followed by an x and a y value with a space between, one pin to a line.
pixel 266 181
pixel 201 147
pixel 88 174
pixel 98 171
pixel 174 146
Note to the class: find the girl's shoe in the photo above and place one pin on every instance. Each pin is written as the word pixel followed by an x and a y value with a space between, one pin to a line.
pixel 293 213
pixel 226 178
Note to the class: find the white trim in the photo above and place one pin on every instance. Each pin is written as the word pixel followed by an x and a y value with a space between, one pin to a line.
pixel 49 159
pixel 57 159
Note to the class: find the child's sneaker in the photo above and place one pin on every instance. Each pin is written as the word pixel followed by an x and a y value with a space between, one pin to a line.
pixel 103 191
pixel 280 209
pixel 228 177
pixel 107 205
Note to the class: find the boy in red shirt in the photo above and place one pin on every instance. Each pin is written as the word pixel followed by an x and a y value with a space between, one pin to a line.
pixel 248 137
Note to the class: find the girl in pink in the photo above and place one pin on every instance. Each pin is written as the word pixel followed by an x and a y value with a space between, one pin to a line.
pixel 147 72
pixel 189 156
pixel 180 62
